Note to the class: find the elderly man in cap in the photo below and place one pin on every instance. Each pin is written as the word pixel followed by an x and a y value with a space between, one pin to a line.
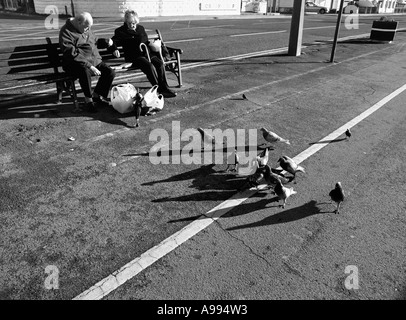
pixel 130 35
pixel 81 58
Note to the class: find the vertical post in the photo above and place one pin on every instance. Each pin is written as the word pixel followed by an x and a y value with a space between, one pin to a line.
pixel 72 8
pixel 296 28
pixel 333 51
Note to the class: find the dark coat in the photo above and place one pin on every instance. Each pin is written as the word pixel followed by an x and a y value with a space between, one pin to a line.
pixel 130 40
pixel 81 48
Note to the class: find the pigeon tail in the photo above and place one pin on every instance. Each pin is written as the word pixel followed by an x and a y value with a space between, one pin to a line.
pixel 301 169
pixel 286 141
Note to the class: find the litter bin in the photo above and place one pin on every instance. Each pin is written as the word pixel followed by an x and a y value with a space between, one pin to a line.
pixel 383 30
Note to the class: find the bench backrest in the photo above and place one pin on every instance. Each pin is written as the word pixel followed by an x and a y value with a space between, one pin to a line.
pixel 46 57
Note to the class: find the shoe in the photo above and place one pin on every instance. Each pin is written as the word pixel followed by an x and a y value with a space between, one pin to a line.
pixel 168 93
pixel 101 100
pixel 90 107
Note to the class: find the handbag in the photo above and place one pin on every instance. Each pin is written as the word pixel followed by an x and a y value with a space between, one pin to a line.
pixel 153 101
pixel 122 97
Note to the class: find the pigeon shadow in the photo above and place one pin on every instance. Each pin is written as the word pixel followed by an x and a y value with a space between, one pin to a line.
pixel 328 141
pixel 192 174
pixel 286 216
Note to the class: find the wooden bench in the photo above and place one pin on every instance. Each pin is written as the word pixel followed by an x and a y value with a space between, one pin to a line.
pixel 33 65
pixel 42 64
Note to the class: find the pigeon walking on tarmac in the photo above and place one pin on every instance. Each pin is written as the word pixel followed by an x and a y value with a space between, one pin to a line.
pixel 208 138
pixel 264 173
pixel 137 108
pixel 337 195
pixel 348 133
pixel 272 136
pixel 263 157
pixel 283 193
pixel 233 160
pixel 290 166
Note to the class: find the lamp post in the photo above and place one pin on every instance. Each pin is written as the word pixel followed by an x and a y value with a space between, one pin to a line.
pixel 340 13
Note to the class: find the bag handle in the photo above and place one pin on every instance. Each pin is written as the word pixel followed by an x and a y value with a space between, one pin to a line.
pixel 154 89
pixel 114 91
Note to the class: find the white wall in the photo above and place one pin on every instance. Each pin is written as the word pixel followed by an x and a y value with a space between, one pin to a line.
pixel 145 8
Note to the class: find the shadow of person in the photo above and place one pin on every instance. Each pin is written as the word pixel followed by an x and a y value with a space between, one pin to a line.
pixel 301 212
pixel 215 195
pixel 192 174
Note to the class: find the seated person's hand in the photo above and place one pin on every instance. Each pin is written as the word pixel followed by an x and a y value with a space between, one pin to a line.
pixel 110 42
pixel 95 71
pixel 116 53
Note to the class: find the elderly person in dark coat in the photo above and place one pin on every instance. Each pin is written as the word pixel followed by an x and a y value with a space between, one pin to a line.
pixel 81 58
pixel 130 35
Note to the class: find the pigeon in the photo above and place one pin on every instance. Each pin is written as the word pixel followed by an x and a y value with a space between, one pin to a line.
pixel 137 108
pixel 337 195
pixel 207 137
pixel 263 157
pixel 233 160
pixel 271 177
pixel 290 166
pixel 283 193
pixel 348 133
pixel 249 170
pixel 272 137
pixel 264 173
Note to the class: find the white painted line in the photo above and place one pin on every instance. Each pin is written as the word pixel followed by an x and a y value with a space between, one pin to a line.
pixel 257 33
pixel 186 40
pixel 119 277
pixel 271 22
pixel 325 27
pixel 210 27
pixel 25 39
pixel 16 37
pixel 131 269
pixel 334 135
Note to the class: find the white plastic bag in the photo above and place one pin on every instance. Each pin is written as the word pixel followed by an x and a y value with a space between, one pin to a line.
pixel 153 100
pixel 122 97
pixel 155 45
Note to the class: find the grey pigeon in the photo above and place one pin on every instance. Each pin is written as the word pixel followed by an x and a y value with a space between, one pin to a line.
pixel 348 133
pixel 137 108
pixel 283 193
pixel 272 136
pixel 337 195
pixel 263 157
pixel 290 166
pixel 233 160
pixel 208 138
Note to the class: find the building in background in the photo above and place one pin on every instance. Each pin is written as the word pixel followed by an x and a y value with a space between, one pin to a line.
pixel 144 8
pixel 23 6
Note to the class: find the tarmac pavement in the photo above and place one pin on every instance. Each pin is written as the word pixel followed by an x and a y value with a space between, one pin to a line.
pixel 306 94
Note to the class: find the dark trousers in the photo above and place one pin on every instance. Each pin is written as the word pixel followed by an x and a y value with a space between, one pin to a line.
pixel 154 70
pixel 85 78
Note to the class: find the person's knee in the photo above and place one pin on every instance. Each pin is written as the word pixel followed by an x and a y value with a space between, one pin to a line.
pixel 112 73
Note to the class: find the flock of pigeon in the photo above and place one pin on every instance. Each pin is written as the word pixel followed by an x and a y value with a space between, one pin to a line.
pixel 259 170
